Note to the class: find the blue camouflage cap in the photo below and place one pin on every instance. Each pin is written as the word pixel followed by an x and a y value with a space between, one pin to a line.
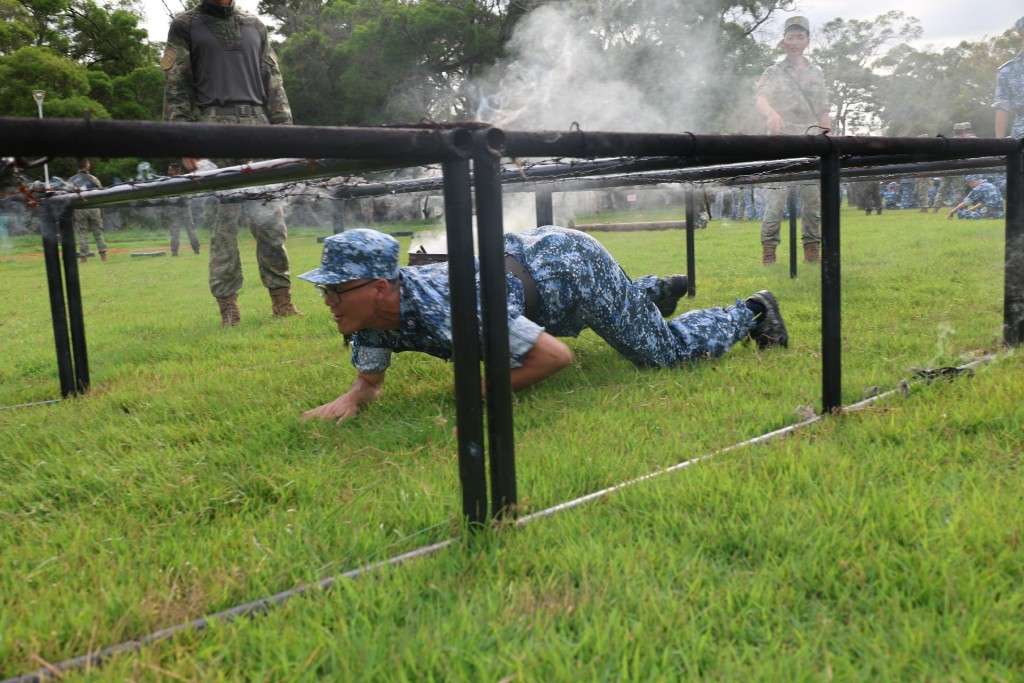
pixel 356 255
pixel 975 176
pixel 1019 25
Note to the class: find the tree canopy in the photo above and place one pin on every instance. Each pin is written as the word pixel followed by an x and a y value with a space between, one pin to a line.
pixel 625 64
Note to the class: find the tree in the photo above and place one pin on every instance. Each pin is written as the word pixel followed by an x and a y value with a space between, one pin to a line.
pixel 108 38
pixel 15 27
pixel 849 51
pixel 384 61
pixel 37 68
pixel 928 91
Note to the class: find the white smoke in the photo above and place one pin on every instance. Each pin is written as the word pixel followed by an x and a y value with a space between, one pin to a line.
pixel 571 64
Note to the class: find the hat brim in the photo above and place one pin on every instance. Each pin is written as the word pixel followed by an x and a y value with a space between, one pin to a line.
pixel 322 276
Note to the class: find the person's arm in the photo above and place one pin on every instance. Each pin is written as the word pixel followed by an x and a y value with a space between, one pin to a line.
pixel 1002 123
pixel 548 356
pixel 825 121
pixel 772 118
pixel 956 208
pixel 279 112
pixel 179 90
pixel 365 390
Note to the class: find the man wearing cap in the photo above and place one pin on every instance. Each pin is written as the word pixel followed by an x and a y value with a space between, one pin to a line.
pixel 219 68
pixel 1009 104
pixel 954 185
pixel 559 282
pixel 792 97
pixel 983 201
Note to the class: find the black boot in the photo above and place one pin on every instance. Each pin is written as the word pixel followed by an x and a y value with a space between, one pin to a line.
pixel 673 288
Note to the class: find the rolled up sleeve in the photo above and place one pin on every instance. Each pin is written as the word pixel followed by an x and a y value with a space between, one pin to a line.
pixel 522 335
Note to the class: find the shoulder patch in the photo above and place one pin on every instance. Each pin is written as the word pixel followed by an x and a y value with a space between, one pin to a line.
pixel 169 58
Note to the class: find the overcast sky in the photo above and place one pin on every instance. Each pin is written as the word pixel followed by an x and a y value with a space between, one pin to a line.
pixel 944 23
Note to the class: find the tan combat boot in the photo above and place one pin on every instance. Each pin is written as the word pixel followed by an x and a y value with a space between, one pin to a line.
pixel 812 253
pixel 768 255
pixel 281 300
pixel 230 316
pixel 103 256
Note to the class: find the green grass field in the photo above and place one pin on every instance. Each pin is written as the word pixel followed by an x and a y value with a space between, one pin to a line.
pixel 882 544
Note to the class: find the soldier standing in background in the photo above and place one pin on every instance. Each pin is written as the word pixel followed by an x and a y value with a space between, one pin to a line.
pixel 88 220
pixel 792 97
pixel 218 62
pixel 179 215
pixel 1009 104
pixel 956 186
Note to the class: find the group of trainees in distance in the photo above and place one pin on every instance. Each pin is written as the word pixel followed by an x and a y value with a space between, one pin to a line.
pixel 559 282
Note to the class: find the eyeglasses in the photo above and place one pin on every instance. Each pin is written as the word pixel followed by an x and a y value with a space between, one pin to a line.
pixel 333 296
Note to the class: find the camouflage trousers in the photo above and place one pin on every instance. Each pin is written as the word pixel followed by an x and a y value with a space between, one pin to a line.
pixel 176 218
pixel 809 201
pixel 89 221
pixel 266 223
pixel 921 188
pixel 582 286
pixel 966 214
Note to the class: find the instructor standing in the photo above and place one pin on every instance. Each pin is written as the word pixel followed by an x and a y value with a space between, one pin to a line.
pixel 792 98
pixel 219 68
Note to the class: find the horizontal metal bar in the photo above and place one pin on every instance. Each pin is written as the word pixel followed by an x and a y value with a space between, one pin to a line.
pixel 256 174
pixel 86 137
pixel 587 144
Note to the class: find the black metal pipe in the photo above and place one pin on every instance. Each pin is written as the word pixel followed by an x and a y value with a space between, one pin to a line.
pixel 257 173
pixel 73 287
pixel 545 207
pixel 494 306
pixel 831 302
pixel 739 147
pixel 750 173
pixel 458 213
pixel 791 206
pixel 58 313
pixel 86 137
pixel 691 257
pixel 1013 282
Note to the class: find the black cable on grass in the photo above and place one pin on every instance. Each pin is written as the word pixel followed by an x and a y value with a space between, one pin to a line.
pixel 257 607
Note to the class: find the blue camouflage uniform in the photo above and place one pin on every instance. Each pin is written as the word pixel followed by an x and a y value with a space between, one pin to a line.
pixel 580 286
pixel 992 202
pixel 1010 89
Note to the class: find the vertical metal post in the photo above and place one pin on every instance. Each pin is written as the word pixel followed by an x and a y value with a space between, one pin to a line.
pixel 494 306
pixel 691 264
pixel 458 215
pixel 55 285
pixel 1013 282
pixel 831 310
pixel 72 284
pixel 545 207
pixel 791 205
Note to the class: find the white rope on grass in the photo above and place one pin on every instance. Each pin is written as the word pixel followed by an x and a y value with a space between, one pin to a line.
pixel 263 605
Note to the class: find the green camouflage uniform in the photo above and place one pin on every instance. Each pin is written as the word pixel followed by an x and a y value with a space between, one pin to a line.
pixel 799 96
pixel 177 216
pixel 230 27
pixel 88 221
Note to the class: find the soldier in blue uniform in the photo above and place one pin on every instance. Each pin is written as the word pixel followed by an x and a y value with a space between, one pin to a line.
pixel 983 201
pixel 559 282
pixel 1009 104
